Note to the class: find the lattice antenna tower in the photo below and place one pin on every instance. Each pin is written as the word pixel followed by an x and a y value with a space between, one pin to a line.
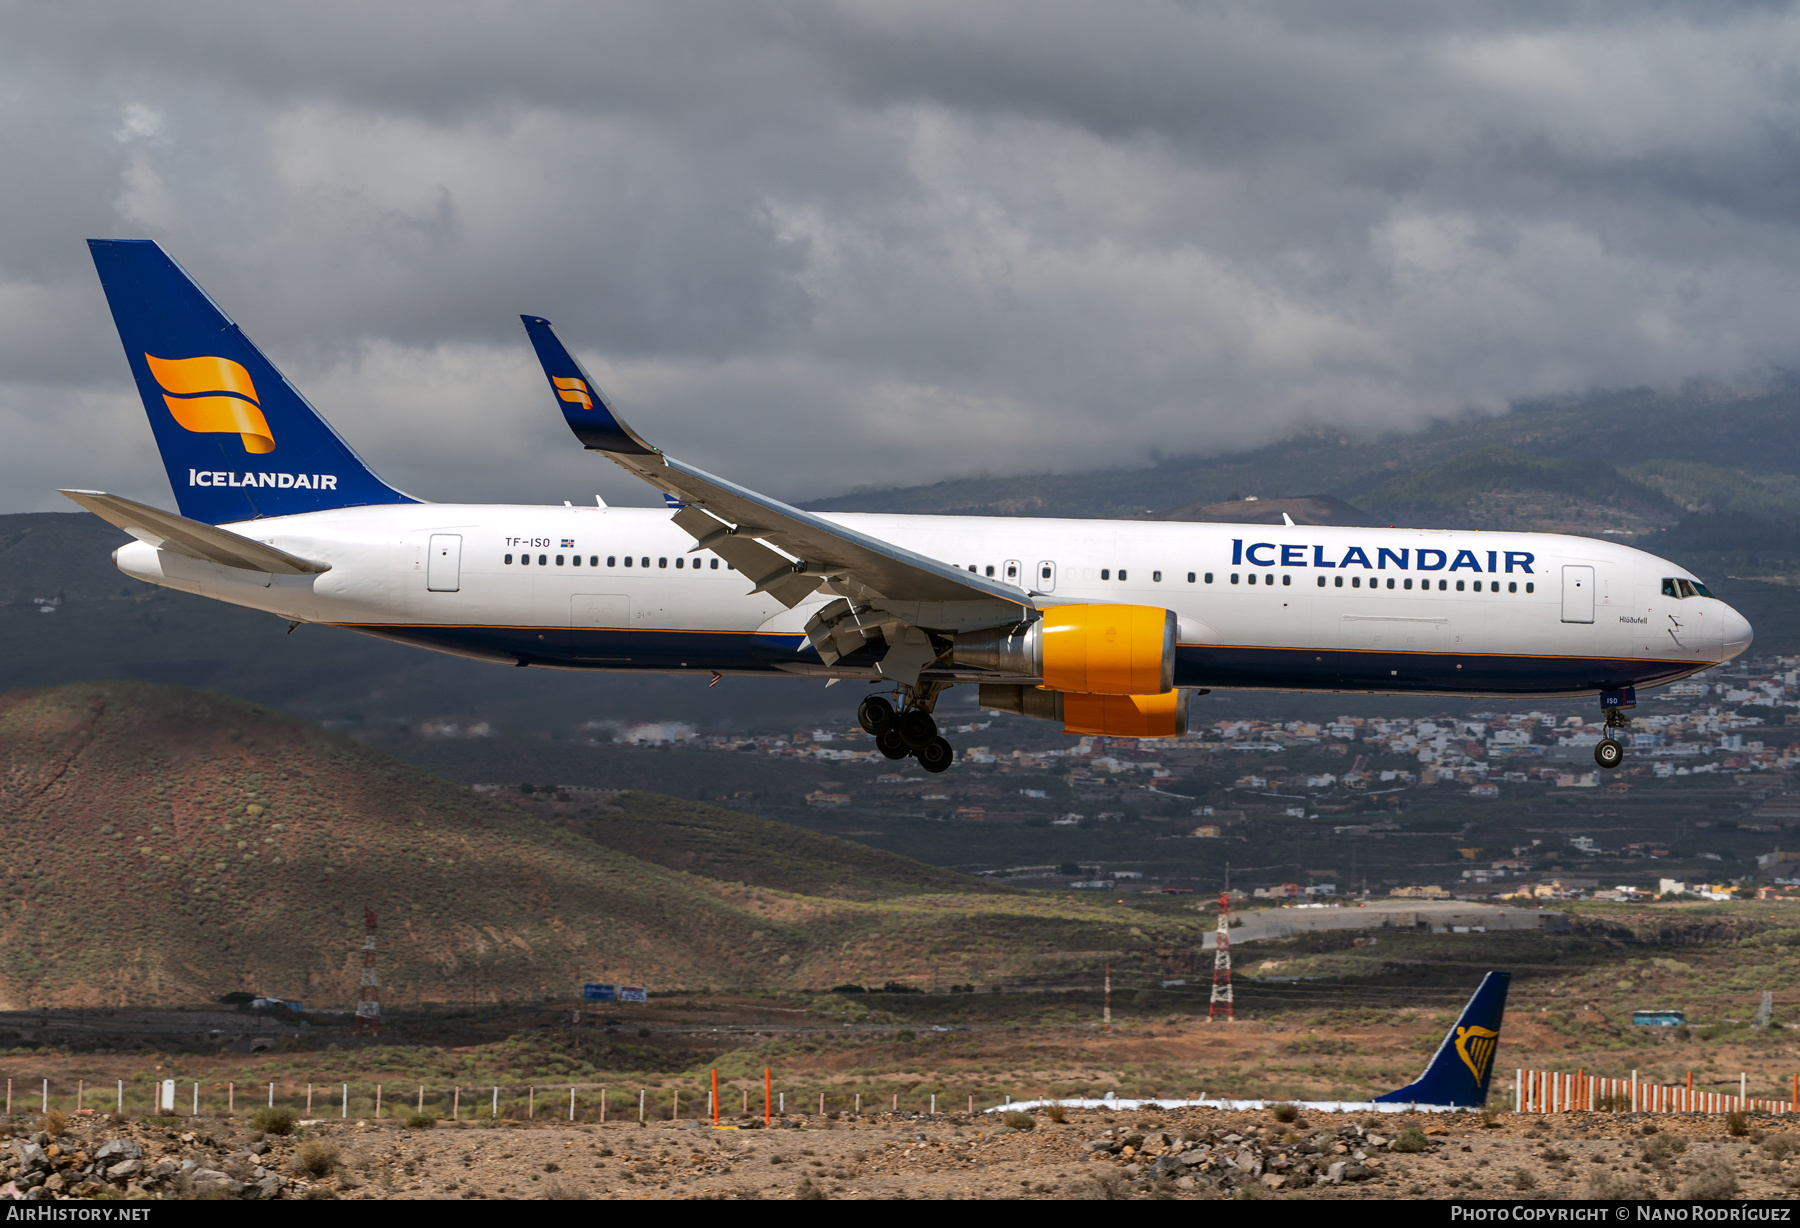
pixel 1221 991
pixel 368 993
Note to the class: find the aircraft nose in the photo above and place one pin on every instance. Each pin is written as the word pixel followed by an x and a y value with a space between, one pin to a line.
pixel 1737 633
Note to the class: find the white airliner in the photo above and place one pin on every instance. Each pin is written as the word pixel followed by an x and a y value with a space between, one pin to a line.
pixel 1104 625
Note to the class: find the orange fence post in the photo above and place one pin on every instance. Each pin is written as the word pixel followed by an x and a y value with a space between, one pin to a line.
pixel 715 1095
pixel 768 1094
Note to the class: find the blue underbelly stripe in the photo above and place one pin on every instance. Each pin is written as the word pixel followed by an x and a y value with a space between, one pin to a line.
pixel 1213 666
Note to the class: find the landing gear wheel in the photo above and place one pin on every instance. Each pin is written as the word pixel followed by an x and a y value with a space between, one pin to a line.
pixel 874 714
pixel 1608 753
pixel 917 728
pixel 936 755
pixel 891 745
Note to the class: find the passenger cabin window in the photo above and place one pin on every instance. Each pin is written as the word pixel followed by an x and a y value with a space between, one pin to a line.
pixel 543 561
pixel 1321 581
pixel 509 559
pixel 576 560
pixel 644 561
pixel 1209 577
pixel 612 560
pixel 1287 580
pixel 1252 577
pixel 1156 577
pixel 1121 573
pixel 1234 577
pixel 628 560
pixel 559 560
pixel 662 562
pixel 1191 577
pixel 1045 574
pixel 715 564
pixel 1459 586
pixel 1106 573
pixel 990 569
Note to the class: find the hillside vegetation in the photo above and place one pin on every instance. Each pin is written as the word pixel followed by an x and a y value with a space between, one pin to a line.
pixel 169 845
pixel 727 845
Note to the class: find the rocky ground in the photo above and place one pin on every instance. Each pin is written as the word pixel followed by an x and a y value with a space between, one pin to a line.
pixel 1089 1154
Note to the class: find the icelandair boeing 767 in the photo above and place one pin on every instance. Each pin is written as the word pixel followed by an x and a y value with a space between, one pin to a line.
pixel 1103 625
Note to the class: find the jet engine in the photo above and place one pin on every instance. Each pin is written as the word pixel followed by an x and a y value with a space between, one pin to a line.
pixel 1089 649
pixel 1118 716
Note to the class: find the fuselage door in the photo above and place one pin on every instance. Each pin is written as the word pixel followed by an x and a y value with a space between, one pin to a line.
pixel 1044 580
pixel 443 563
pixel 1578 594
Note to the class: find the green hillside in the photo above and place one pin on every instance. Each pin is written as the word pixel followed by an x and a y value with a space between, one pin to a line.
pixel 1757 432
pixel 725 844
pixel 170 845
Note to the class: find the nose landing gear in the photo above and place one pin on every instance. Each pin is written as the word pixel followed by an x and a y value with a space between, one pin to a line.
pixel 1609 752
pixel 909 732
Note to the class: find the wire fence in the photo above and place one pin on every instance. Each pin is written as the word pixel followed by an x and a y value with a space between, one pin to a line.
pixel 403 1101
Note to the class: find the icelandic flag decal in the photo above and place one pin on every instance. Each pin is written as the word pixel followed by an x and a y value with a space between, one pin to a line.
pixel 568 543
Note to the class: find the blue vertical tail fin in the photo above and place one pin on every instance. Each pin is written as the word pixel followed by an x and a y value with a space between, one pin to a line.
pixel 238 440
pixel 1460 1070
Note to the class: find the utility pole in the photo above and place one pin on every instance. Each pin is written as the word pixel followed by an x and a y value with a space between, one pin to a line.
pixel 1106 1009
pixel 368 994
pixel 1221 990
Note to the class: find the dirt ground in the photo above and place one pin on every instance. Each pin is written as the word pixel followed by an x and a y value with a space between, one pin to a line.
pixel 1514 1157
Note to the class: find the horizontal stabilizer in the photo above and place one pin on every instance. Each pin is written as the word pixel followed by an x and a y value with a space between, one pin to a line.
pixel 167 531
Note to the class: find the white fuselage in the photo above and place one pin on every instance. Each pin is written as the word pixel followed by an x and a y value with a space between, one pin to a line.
pixel 1292 608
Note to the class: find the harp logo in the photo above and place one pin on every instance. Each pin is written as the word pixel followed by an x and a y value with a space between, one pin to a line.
pixel 1475 1046
pixel 212 396
pixel 573 391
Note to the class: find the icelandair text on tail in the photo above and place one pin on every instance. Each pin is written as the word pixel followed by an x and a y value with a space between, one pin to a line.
pixel 283 481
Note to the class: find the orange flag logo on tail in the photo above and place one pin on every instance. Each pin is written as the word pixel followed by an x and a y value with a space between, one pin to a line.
pixel 1476 1048
pixel 213 396
pixel 572 390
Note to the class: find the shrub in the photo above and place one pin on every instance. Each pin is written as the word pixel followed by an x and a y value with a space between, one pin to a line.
pixel 1020 1121
pixel 1284 1113
pixel 1522 1180
pixel 1662 1148
pixel 1412 1139
pixel 1056 1113
pixel 1737 1123
pixel 274 1120
pixel 1712 1180
pixel 421 1121
pixel 1780 1146
pixel 1616 1187
pixel 316 1158
pixel 53 1122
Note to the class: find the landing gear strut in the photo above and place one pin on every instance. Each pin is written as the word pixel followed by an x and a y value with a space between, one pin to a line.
pixel 909 732
pixel 1609 752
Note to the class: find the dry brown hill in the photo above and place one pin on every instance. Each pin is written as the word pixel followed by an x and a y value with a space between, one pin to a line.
pixel 169 845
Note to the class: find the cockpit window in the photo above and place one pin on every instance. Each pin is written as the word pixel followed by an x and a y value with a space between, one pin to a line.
pixel 1675 586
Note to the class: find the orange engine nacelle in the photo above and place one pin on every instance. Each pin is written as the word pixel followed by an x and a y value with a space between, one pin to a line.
pixel 1088 649
pixel 1117 716
pixel 1126 716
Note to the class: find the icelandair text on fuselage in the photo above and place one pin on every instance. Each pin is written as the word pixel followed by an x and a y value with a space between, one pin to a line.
pixel 1600 1213
pixel 1425 558
pixel 282 481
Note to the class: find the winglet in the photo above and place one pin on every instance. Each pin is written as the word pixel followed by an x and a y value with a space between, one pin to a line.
pixel 582 403
pixel 1459 1072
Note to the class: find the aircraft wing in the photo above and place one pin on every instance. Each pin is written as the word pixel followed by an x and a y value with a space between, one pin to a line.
pixel 194 538
pixel 786 552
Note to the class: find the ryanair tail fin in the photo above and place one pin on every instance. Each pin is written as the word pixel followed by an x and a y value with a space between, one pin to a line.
pixel 1459 1072
pixel 583 405
pixel 239 441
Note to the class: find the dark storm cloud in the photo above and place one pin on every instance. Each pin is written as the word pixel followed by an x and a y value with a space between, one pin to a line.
pixel 817 244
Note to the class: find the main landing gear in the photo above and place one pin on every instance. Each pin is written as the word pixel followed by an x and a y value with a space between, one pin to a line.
pixel 1609 752
pixel 908 732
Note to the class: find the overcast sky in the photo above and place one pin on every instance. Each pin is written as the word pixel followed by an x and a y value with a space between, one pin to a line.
pixel 814 245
